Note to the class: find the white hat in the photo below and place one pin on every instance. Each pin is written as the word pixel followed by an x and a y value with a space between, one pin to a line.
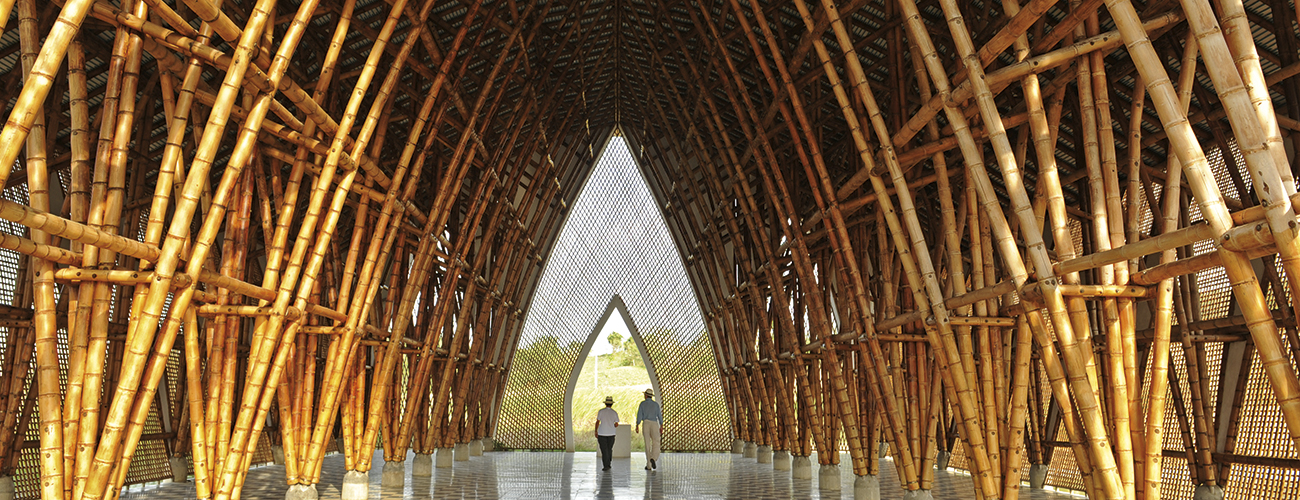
pixel 609 400
pixel 650 392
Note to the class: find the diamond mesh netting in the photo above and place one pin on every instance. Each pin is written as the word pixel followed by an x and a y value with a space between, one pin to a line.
pixel 614 242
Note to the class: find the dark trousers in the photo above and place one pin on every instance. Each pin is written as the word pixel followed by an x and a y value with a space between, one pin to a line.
pixel 606 448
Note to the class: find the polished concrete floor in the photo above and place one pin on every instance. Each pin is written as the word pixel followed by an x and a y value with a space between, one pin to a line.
pixel 556 475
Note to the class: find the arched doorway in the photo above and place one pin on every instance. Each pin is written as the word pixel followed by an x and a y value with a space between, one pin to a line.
pixel 615 305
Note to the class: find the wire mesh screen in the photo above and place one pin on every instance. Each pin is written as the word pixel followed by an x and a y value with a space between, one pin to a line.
pixel 614 242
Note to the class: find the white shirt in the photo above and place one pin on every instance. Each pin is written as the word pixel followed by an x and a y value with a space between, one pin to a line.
pixel 607 417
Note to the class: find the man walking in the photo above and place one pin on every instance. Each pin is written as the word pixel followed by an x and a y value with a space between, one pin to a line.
pixel 606 423
pixel 650 414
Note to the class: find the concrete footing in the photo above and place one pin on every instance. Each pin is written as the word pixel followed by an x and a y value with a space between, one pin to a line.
pixel 301 492
pixel 751 450
pixel 781 460
pixel 918 495
pixel 7 491
pixel 828 477
pixel 489 444
pixel 180 469
pixel 884 450
pixel 801 468
pixel 866 488
pixel 476 448
pixel 356 485
pixel 1207 492
pixel 277 454
pixel 444 458
pixel 737 446
pixel 764 454
pixel 942 459
pixel 1037 476
pixel 422 466
pixel 394 475
pixel 462 452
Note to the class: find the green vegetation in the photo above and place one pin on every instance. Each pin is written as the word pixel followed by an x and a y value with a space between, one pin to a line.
pixel 625 383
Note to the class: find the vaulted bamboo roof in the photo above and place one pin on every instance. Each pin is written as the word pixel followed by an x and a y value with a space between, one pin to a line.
pixel 915 222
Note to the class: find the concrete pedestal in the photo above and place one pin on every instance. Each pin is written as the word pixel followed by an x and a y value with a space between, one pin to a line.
pixel 764 454
pixel 918 495
pixel 801 468
pixel 476 448
pixel 866 488
pixel 489 444
pixel 356 485
pixel 737 447
pixel 781 460
pixel 942 459
pixel 1207 492
pixel 623 441
pixel 1037 476
pixel 444 458
pixel 7 491
pixel 462 452
pixel 180 469
pixel 422 466
pixel 338 445
pixel 394 475
pixel 828 478
pixel 301 492
pixel 751 450
pixel 277 454
pixel 884 450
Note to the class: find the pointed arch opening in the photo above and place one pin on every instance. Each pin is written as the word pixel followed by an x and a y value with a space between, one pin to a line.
pixel 614 253
pixel 616 305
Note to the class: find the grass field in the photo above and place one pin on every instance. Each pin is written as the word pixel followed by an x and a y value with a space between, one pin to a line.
pixel 626 384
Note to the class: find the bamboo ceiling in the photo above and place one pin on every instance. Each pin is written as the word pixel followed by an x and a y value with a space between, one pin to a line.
pixel 1045 240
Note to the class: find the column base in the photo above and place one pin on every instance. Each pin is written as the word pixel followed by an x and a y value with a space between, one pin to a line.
pixel 338 446
pixel 422 466
pixel 489 445
pixel 764 454
pixel 751 450
pixel 394 475
pixel 1037 476
pixel 801 468
pixel 828 478
pixel 884 450
pixel 781 460
pixel 866 488
pixel 277 454
pixel 1208 492
pixel 942 459
pixel 180 469
pixel 356 485
pixel 476 448
pixel 462 452
pixel 918 495
pixel 301 492
pixel 737 447
pixel 444 458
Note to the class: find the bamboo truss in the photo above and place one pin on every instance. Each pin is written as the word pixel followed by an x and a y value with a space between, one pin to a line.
pixel 1040 240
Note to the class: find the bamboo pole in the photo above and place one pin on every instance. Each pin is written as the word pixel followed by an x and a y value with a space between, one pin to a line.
pixel 52 462
pixel 1282 377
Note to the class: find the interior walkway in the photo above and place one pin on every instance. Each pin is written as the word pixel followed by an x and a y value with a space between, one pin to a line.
pixel 558 475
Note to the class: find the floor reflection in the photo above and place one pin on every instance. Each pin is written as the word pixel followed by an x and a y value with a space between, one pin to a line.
pixel 567 476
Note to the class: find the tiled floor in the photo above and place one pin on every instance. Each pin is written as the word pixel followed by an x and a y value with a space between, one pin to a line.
pixel 526 475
